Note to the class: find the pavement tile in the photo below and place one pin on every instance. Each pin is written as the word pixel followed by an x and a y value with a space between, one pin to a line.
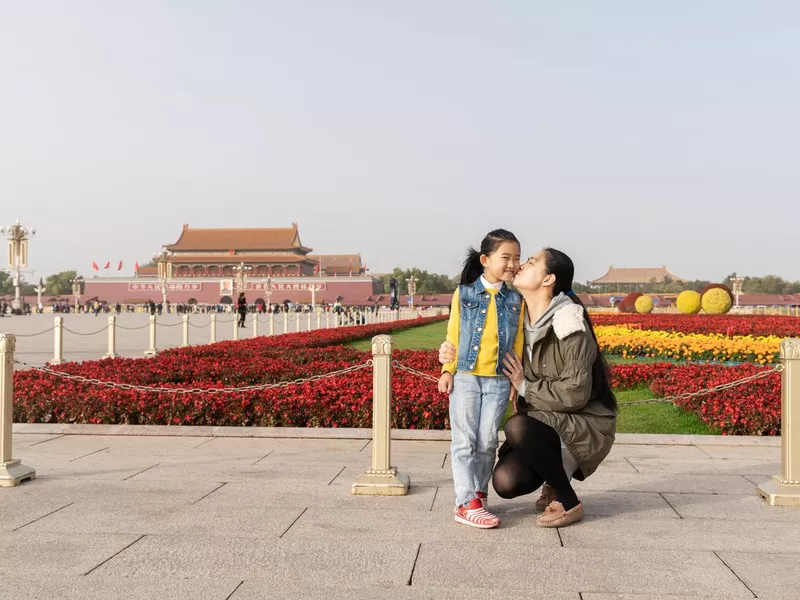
pixel 684 534
pixel 321 523
pixel 53 554
pixel 666 482
pixel 223 471
pixel 83 588
pixel 708 465
pixel 578 569
pixel 769 575
pixel 335 563
pixel 258 590
pixel 669 451
pixel 730 508
pixel 24 440
pixel 767 453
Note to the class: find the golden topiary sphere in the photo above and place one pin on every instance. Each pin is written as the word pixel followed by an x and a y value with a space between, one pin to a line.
pixel 644 304
pixel 688 302
pixel 716 302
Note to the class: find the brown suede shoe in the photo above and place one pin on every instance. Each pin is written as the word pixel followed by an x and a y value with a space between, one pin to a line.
pixel 548 495
pixel 555 515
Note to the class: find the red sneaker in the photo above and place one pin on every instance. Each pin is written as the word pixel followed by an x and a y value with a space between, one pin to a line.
pixel 475 515
pixel 482 497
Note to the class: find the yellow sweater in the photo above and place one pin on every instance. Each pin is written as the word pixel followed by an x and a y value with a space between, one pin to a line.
pixel 486 364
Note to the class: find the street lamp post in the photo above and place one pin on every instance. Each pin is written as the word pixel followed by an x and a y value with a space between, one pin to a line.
pixel 268 292
pixel 164 272
pixel 736 285
pixel 241 270
pixel 17 256
pixel 76 291
pixel 412 289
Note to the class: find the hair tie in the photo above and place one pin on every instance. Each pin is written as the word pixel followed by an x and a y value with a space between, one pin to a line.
pixel 570 293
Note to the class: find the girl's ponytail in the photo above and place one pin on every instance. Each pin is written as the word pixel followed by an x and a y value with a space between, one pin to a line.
pixel 473 268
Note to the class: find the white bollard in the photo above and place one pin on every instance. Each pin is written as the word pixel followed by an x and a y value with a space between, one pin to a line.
pixel 255 324
pixel 382 479
pixel 112 338
pixel 58 353
pixel 286 322
pixel 271 324
pixel 12 471
pixel 213 328
pixel 235 326
pixel 309 322
pixel 152 350
pixel 327 320
pixel 297 324
pixel 185 331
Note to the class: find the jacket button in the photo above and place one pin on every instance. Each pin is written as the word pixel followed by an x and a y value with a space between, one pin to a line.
pixel 484 310
pixel 474 347
pixel 479 328
pixel 486 296
pixel 472 366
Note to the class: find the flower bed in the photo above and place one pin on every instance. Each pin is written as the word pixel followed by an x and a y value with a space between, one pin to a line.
pixel 750 409
pixel 627 341
pixel 730 325
pixel 344 401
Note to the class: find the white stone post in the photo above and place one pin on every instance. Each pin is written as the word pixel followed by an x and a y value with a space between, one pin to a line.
pixel 12 471
pixel 213 328
pixel 327 320
pixel 255 324
pixel 185 331
pixel 271 324
pixel 58 353
pixel 112 338
pixel 784 489
pixel 297 325
pixel 382 479
pixel 235 326
pixel 152 350
pixel 286 322
pixel 309 321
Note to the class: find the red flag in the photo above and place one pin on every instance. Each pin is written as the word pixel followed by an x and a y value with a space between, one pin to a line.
pixel 108 264
pixel 94 266
pixel 317 267
pixel 119 266
pixel 136 266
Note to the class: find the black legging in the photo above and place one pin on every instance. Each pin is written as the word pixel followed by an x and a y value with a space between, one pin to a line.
pixel 531 456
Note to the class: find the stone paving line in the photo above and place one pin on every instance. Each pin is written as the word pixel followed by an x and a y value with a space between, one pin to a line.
pixel 125 516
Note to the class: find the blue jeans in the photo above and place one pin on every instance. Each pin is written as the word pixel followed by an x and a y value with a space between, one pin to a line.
pixel 477 407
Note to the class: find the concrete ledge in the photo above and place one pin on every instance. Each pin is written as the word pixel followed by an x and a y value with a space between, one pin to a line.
pixel 359 434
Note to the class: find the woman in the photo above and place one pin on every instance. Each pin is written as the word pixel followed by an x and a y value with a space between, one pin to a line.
pixel 563 396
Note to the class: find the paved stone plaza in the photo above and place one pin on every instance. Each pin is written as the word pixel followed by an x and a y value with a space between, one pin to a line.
pixel 80 346
pixel 186 516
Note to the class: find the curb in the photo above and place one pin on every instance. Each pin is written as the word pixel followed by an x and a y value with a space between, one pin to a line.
pixel 428 435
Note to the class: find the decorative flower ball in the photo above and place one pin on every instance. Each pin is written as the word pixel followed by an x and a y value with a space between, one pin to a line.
pixel 688 302
pixel 644 304
pixel 716 302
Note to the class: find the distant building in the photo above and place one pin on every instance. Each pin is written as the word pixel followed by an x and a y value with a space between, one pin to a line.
pixel 622 279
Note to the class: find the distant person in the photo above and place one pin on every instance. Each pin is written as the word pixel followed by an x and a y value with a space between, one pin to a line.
pixel 241 308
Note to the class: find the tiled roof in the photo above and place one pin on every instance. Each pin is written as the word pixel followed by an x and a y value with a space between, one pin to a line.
pixel 338 263
pixel 283 238
pixel 627 275
pixel 248 260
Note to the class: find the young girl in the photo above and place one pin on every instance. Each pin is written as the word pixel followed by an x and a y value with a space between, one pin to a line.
pixel 484 325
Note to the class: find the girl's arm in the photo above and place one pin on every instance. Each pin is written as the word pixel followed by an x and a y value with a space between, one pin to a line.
pixel 452 332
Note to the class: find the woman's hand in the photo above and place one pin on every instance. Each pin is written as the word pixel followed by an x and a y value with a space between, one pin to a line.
pixel 512 370
pixel 447 353
pixel 446 383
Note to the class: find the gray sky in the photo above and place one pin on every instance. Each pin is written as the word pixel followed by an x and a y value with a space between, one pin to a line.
pixel 622 132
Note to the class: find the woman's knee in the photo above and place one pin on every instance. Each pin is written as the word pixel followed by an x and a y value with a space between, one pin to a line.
pixel 503 482
pixel 516 429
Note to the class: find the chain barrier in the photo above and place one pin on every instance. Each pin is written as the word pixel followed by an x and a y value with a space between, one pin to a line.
pixel 717 388
pixel 666 399
pixel 132 328
pixel 26 335
pixel 86 334
pixel 198 326
pixel 168 324
pixel 168 390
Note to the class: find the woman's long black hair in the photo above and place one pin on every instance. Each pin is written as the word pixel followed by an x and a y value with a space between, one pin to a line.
pixel 560 265
pixel 472 264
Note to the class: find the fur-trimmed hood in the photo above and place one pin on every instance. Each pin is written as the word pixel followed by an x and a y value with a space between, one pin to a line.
pixel 568 320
